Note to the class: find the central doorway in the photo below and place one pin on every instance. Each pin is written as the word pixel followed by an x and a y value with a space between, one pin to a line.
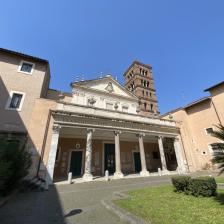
pixel 109 158
pixel 76 163
pixel 137 162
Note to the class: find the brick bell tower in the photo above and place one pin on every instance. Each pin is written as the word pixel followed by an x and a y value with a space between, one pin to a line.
pixel 139 80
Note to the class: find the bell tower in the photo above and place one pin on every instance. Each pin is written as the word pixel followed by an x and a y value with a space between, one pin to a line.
pixel 139 80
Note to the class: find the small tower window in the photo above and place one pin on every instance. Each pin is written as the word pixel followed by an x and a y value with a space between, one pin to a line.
pixel 145 105
pixel 143 93
pixel 151 105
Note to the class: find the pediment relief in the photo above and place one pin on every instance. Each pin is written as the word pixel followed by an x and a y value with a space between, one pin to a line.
pixel 109 87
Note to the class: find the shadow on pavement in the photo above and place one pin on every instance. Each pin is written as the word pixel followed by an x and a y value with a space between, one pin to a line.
pixel 73 212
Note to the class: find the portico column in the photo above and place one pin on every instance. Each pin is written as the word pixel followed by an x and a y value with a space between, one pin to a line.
pixel 118 173
pixel 179 156
pixel 52 154
pixel 162 154
pixel 88 158
pixel 144 171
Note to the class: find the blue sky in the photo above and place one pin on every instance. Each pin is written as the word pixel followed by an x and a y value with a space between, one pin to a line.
pixel 182 40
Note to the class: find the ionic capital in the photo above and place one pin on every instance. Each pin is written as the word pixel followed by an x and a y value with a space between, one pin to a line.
pixel 140 135
pixel 117 132
pixel 90 130
pixel 56 129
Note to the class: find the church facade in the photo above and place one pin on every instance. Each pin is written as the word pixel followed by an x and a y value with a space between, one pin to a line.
pixel 99 126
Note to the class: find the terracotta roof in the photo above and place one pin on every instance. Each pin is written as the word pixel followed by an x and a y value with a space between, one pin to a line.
pixel 24 55
pixel 188 105
pixel 138 63
pixel 212 87
pixel 197 101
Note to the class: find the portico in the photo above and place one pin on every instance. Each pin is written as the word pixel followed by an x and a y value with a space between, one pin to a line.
pixel 88 145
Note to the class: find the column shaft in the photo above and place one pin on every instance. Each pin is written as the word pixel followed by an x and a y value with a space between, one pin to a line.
pixel 88 158
pixel 162 154
pixel 118 173
pixel 179 156
pixel 52 155
pixel 144 171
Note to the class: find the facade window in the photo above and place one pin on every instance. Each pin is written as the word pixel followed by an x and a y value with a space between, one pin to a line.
pixel 15 101
pixel 147 93
pixel 124 109
pixel 209 131
pixel 109 106
pixel 151 106
pixel 26 67
pixel 143 93
pixel 150 94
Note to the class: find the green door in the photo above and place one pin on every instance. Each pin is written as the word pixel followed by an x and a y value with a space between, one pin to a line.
pixel 109 156
pixel 137 161
pixel 76 163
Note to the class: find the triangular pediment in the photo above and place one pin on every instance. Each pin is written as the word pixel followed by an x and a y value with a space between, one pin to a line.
pixel 106 85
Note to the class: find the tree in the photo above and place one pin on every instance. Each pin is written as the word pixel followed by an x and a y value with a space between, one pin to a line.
pixel 218 156
pixel 14 164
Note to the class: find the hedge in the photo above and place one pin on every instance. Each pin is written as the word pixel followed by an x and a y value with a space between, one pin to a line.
pixel 181 183
pixel 203 186
pixel 200 186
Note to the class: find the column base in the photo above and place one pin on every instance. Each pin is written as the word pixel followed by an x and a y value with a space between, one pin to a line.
pixel 144 173
pixel 87 177
pixel 118 175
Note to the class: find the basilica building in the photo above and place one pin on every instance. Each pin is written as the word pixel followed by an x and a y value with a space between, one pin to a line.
pixel 99 126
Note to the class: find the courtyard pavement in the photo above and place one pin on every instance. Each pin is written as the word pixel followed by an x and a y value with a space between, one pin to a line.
pixel 68 204
pixel 72 204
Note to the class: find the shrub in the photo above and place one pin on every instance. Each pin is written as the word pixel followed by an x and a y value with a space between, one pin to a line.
pixel 203 186
pixel 181 183
pixel 14 164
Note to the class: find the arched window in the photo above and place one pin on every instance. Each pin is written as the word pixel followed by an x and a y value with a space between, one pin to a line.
pixel 151 105
pixel 145 105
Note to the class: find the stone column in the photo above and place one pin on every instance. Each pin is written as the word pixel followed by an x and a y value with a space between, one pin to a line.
pixel 88 159
pixel 52 154
pixel 178 151
pixel 118 173
pixel 144 171
pixel 162 154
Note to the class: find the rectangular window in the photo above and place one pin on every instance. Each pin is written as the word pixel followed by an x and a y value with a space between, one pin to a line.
pixel 209 131
pixel 26 67
pixel 109 106
pixel 125 109
pixel 15 101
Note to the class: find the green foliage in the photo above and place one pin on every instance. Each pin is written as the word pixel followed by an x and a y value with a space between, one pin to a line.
pixel 14 164
pixel 219 152
pixel 161 205
pixel 181 183
pixel 203 186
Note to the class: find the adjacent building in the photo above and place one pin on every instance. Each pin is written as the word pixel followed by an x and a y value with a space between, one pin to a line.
pixel 197 121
